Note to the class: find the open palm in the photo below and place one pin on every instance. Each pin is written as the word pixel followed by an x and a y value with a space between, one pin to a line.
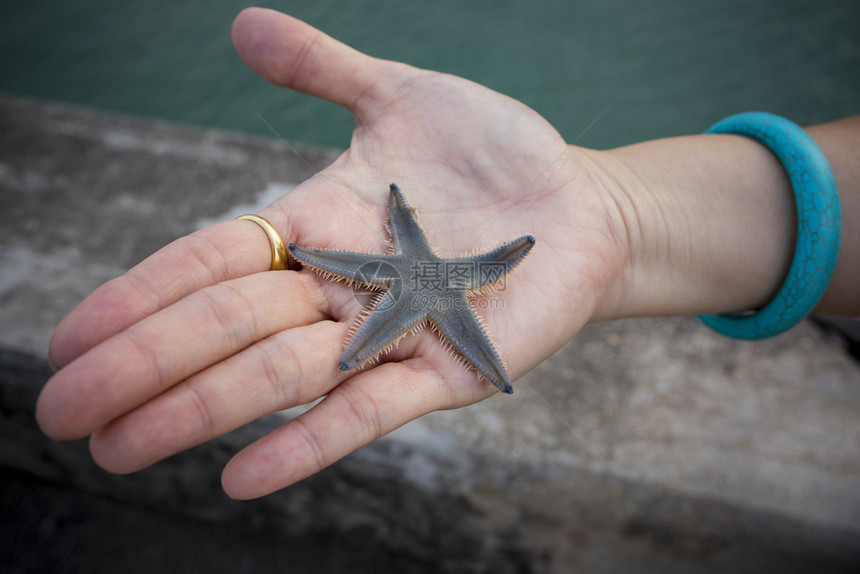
pixel 200 339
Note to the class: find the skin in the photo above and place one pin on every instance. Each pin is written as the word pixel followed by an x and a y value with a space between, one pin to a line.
pixel 200 338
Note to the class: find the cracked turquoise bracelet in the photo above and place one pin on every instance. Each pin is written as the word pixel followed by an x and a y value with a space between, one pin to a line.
pixel 818 226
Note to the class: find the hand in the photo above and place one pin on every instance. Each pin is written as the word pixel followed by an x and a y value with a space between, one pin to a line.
pixel 200 338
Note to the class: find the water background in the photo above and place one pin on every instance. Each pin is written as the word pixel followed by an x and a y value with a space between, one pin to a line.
pixel 645 69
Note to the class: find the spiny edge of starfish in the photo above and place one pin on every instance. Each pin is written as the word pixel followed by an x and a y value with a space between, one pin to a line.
pixel 447 348
pixel 492 288
pixel 417 329
pixel 356 324
pixel 464 362
pixel 331 276
pixel 481 250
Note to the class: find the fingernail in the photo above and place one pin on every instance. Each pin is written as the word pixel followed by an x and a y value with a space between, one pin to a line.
pixel 52 363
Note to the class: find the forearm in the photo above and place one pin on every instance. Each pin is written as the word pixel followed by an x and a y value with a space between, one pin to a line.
pixel 708 223
pixel 840 142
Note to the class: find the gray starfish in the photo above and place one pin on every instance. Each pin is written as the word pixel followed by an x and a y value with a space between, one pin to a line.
pixel 419 287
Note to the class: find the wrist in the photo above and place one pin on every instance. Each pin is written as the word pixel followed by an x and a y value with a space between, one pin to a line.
pixel 706 224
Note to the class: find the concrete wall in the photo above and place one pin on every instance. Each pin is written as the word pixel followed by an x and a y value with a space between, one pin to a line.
pixel 642 446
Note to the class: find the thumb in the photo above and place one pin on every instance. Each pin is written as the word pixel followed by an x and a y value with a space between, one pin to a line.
pixel 291 54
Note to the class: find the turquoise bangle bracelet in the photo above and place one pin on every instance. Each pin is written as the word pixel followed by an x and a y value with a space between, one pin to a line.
pixel 819 227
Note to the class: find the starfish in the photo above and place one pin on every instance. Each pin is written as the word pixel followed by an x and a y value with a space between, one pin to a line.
pixel 419 287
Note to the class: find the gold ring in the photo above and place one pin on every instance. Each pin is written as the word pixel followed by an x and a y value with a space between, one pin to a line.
pixel 279 250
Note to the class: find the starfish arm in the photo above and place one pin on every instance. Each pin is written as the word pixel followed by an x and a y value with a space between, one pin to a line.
pixel 479 271
pixel 387 322
pixel 466 334
pixel 367 269
pixel 406 231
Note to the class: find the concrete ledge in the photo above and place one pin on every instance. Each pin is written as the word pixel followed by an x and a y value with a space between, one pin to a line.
pixel 642 446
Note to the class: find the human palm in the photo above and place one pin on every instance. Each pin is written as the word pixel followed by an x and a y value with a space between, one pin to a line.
pixel 199 339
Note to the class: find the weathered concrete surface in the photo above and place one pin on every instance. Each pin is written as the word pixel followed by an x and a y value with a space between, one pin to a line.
pixel 642 446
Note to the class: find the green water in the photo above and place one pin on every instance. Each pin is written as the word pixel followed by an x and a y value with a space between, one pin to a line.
pixel 646 69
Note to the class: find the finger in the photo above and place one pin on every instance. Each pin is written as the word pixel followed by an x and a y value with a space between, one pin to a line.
pixel 152 355
pixel 291 54
pixel 289 368
pixel 357 412
pixel 214 254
